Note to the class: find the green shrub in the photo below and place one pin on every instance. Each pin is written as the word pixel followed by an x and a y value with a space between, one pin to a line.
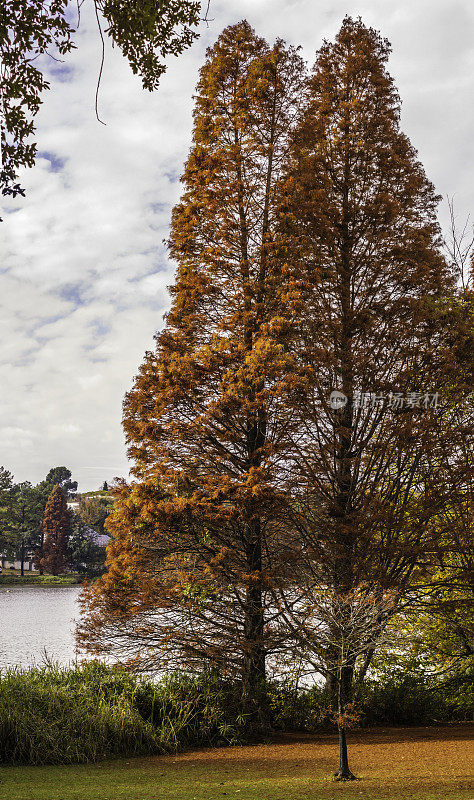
pixel 62 716
pixel 297 709
pixel 53 715
pixel 413 699
pixel 399 702
pixel 192 710
pixel 459 696
pixel 403 699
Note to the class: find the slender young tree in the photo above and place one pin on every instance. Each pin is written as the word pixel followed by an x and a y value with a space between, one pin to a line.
pixel 56 527
pixel 371 298
pixel 202 420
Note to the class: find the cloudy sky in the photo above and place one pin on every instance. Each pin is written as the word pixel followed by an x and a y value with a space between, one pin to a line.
pixel 83 270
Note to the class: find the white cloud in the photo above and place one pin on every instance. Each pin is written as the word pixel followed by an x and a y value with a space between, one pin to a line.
pixel 83 270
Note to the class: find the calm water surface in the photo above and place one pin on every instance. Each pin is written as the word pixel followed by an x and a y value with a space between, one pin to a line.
pixel 35 620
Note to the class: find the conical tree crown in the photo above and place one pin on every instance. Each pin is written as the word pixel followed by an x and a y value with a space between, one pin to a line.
pixel 360 230
pixel 219 354
pixel 56 527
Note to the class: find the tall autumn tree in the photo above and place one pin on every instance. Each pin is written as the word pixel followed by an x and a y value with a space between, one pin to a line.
pixel 372 301
pixel 263 517
pixel 199 531
pixel 56 527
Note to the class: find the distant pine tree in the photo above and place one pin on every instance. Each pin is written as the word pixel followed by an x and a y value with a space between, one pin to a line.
pixel 56 526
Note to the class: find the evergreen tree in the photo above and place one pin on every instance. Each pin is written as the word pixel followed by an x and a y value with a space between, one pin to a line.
pixel 25 517
pixel 59 476
pixel 56 526
pixel 21 510
pixel 62 477
pixel 83 553
pixel 6 499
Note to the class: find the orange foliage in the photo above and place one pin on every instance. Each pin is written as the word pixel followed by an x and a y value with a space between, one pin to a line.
pixel 308 260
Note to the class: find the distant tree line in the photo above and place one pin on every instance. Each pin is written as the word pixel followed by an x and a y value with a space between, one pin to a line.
pixel 35 522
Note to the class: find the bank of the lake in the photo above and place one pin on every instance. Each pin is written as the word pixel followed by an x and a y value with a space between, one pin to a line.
pixel 13 579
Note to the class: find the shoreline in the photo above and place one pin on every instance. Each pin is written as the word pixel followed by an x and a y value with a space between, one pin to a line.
pixel 39 580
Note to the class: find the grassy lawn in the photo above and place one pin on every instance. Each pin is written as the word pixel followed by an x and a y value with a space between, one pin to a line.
pixel 392 764
pixel 11 577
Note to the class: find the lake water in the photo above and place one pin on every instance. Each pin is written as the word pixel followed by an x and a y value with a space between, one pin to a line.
pixel 35 620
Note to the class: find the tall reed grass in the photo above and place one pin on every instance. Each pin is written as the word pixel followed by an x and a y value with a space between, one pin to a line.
pixel 53 715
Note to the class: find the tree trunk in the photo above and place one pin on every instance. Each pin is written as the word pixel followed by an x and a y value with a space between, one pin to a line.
pixel 343 568
pixel 330 688
pixel 253 671
pixel 344 696
pixel 365 666
pixel 22 556
pixel 343 773
pixel 40 554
